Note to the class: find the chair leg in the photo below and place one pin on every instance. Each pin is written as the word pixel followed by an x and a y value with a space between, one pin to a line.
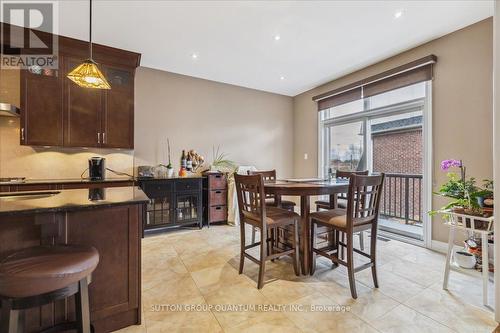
pixel 242 245
pixel 336 235
pixel 82 306
pixel 361 241
pixel 342 248
pixel 296 264
pixel 10 319
pixel 373 251
pixel 350 265
pixel 313 246
pixel 263 257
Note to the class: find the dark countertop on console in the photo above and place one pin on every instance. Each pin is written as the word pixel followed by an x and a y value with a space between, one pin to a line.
pixel 68 200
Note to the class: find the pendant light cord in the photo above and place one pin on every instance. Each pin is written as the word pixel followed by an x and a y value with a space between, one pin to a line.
pixel 90 29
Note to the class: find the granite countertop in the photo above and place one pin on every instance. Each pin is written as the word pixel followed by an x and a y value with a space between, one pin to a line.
pixel 68 200
pixel 70 181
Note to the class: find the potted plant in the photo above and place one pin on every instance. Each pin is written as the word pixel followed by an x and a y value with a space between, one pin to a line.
pixel 220 162
pixel 485 196
pixel 465 194
pixel 169 167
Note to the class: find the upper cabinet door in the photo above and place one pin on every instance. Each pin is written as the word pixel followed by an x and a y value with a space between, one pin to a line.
pixel 118 115
pixel 82 112
pixel 41 108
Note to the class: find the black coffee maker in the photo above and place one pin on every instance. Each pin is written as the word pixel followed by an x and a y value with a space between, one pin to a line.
pixel 97 168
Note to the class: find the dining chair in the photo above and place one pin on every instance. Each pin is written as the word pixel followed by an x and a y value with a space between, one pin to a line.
pixel 363 201
pixel 271 199
pixel 342 197
pixel 254 211
pixel 342 203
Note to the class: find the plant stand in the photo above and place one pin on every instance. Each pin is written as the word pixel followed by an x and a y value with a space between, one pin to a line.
pixel 475 225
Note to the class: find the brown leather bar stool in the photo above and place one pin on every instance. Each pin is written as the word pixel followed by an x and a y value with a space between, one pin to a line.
pixel 254 211
pixel 41 275
pixel 363 201
pixel 342 203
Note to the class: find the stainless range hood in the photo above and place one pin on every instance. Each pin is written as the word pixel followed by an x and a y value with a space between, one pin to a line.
pixel 9 110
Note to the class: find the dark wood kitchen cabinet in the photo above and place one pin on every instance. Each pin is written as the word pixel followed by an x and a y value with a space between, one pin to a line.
pixel 118 116
pixel 41 109
pixel 82 111
pixel 57 112
pixel 115 231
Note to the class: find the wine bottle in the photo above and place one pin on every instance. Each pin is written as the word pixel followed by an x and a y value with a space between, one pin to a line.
pixel 183 160
pixel 189 162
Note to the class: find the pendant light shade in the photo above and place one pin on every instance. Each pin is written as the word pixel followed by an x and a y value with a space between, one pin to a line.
pixel 88 75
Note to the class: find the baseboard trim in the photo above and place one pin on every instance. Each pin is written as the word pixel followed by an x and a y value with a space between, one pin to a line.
pixel 442 247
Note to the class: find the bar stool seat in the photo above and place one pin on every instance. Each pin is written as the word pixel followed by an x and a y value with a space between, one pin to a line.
pixel 41 275
pixel 42 269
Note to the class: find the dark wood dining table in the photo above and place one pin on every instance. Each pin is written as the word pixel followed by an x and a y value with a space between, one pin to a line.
pixel 305 189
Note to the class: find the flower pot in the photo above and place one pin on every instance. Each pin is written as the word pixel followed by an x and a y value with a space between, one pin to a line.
pixel 170 172
pixel 465 259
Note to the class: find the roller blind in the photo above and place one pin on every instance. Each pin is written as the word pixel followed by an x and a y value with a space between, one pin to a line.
pixel 416 71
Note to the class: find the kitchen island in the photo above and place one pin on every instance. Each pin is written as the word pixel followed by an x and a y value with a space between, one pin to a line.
pixel 110 219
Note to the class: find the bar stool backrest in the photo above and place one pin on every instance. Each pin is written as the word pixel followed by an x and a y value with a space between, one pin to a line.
pixel 251 198
pixel 363 200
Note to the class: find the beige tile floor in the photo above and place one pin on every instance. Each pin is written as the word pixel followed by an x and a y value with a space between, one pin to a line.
pixel 199 267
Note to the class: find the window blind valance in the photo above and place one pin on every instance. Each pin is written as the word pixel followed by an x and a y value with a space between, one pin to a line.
pixel 416 71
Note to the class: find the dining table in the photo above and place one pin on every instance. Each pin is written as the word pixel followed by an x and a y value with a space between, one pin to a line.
pixel 305 188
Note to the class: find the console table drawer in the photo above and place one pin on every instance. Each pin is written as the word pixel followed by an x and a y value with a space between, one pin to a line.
pixel 157 189
pixel 188 185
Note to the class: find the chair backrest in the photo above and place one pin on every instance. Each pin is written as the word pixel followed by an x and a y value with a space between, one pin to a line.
pixel 346 175
pixel 267 176
pixel 251 198
pixel 363 199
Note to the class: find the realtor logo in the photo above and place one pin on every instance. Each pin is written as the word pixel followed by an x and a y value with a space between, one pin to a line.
pixel 29 37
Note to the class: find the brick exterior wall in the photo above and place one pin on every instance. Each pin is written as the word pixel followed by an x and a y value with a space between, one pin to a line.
pixel 398 152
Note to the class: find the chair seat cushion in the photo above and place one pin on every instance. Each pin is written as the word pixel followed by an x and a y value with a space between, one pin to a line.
pixel 333 217
pixel 274 216
pixel 42 269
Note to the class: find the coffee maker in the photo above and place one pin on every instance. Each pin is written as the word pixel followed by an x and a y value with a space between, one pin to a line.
pixel 97 168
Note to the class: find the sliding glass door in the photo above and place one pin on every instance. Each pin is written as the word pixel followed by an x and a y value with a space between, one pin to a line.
pixel 385 133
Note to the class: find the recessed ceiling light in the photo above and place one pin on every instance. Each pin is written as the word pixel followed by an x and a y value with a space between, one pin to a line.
pixel 194 56
pixel 277 37
pixel 282 78
pixel 398 14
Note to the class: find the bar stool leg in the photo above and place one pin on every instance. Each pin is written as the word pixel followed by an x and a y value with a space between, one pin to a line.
pixel 10 319
pixel 82 306
pixel 313 247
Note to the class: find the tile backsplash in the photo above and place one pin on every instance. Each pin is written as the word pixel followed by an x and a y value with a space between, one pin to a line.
pixel 54 162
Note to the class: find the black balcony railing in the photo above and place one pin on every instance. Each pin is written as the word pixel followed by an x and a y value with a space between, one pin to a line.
pixel 402 197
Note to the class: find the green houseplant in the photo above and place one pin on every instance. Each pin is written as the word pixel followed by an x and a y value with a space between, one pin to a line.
pixel 466 197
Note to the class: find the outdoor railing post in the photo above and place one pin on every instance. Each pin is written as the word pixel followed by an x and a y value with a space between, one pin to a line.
pixel 407 199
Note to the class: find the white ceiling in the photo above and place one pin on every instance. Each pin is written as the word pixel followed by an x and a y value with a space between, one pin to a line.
pixel 234 40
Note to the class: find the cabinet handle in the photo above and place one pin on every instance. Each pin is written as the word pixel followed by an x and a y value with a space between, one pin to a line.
pixel 104 137
pixel 22 133
pixel 98 137
pixel 218 192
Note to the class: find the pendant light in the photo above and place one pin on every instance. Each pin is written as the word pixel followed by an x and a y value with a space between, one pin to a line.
pixel 88 75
